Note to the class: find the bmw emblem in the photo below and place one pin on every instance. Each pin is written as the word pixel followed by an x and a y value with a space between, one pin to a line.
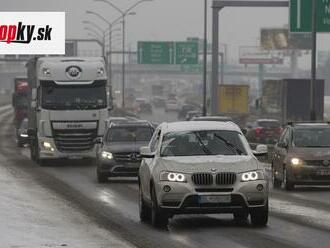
pixel 326 162
pixel 213 170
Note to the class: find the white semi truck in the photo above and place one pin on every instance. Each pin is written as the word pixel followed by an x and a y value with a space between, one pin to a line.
pixel 69 107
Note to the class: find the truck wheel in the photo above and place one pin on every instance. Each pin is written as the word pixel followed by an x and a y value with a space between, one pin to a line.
pixel 43 162
pixel 276 182
pixel 144 210
pixel 101 177
pixel 259 216
pixel 159 218
pixel 286 183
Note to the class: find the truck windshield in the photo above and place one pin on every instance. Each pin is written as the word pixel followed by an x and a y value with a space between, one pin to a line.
pixel 72 97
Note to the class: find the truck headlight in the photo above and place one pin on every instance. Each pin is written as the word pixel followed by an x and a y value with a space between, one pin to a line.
pixel 107 155
pixel 296 161
pixel 252 176
pixel 46 71
pixel 48 146
pixel 173 177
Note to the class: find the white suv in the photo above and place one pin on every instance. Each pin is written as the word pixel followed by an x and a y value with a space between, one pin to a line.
pixel 201 167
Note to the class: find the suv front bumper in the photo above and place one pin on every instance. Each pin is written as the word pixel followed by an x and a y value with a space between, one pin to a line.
pixel 185 198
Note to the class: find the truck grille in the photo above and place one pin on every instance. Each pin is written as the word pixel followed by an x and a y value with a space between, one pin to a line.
pixel 225 178
pixel 74 140
pixel 129 157
pixel 202 178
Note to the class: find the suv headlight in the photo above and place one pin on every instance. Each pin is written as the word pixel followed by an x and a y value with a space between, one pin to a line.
pixel 107 155
pixel 173 177
pixel 252 176
pixel 296 161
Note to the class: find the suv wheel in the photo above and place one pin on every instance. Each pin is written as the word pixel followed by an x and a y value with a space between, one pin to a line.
pixel 158 217
pixel 144 210
pixel 286 183
pixel 259 216
pixel 101 177
pixel 241 217
pixel 276 182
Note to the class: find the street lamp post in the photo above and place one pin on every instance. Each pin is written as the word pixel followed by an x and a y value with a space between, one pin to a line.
pixel 100 37
pixel 111 25
pixel 205 59
pixel 123 13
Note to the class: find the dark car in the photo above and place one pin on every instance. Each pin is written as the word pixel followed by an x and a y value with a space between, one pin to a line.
pixel 302 157
pixel 119 151
pixel 265 131
pixel 145 108
pixel 185 109
pixel 159 102
pixel 22 137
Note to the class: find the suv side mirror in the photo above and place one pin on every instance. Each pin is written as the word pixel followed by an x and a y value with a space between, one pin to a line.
pixel 261 150
pixel 146 152
pixel 98 140
pixel 244 131
pixel 283 144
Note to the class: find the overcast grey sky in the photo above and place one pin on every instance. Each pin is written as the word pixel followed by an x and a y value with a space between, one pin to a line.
pixel 165 19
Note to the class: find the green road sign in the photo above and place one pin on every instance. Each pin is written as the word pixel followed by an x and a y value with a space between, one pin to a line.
pixel 165 53
pixel 155 52
pixel 193 69
pixel 186 53
pixel 301 15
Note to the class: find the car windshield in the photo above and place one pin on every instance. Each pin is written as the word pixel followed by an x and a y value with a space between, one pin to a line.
pixel 129 134
pixel 74 96
pixel 199 143
pixel 269 124
pixel 311 137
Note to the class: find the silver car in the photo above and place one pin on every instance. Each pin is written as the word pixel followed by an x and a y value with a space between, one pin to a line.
pixel 201 168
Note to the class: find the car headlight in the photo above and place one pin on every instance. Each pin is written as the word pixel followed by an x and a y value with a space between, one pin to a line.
pixel 107 155
pixel 48 146
pixel 24 135
pixel 173 177
pixel 296 161
pixel 252 176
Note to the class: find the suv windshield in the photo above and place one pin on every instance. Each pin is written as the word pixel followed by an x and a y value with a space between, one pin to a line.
pixel 199 143
pixel 311 137
pixel 84 97
pixel 129 134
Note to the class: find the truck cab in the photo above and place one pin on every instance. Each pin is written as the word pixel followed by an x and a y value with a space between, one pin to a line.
pixel 69 107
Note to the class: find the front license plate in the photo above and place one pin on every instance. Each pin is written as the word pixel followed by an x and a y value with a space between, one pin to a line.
pixel 215 199
pixel 323 173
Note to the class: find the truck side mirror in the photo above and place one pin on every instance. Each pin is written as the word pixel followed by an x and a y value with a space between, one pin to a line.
pixel 31 133
pixel 34 104
pixel 34 94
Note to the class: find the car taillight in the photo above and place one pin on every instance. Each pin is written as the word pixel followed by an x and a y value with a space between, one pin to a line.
pixel 258 130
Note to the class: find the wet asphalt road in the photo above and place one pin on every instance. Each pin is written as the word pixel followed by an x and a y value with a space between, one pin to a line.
pixel 297 219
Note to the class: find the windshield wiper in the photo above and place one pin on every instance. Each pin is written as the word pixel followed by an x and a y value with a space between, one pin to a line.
pixel 204 148
pixel 234 148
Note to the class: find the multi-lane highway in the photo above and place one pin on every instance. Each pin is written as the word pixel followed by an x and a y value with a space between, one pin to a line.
pixel 300 218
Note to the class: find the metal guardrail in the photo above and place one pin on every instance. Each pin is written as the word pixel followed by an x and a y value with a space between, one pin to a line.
pixel 5 99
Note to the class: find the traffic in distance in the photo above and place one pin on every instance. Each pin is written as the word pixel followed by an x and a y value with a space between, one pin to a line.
pixel 169 143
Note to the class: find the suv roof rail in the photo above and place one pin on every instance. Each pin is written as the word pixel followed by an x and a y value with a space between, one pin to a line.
pixel 292 123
